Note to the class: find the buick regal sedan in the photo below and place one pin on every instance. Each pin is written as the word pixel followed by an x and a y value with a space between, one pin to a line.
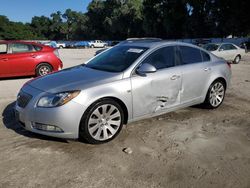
pixel 131 81
pixel 27 59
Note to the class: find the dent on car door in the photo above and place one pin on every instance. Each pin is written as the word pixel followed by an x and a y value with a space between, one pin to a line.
pixel 21 58
pixel 155 92
pixel 195 68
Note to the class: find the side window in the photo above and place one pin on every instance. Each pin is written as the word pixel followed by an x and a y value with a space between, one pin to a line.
pixel 190 55
pixel 3 48
pixel 37 48
pixel 20 48
pixel 162 58
pixel 205 56
pixel 227 47
pixel 232 47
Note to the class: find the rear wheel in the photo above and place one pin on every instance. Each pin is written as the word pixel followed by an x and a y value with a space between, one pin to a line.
pixel 43 69
pixel 215 94
pixel 237 59
pixel 102 122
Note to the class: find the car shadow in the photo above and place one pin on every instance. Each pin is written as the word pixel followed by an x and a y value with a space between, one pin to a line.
pixel 16 78
pixel 10 122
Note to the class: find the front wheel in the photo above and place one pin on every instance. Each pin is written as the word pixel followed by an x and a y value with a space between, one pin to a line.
pixel 101 122
pixel 215 94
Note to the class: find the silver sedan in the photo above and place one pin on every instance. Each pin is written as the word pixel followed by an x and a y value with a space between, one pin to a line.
pixel 131 81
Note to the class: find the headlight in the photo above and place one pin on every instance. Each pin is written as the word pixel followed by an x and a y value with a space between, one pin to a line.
pixel 58 99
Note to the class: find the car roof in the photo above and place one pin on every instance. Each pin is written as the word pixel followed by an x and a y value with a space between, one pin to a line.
pixel 154 43
pixel 18 41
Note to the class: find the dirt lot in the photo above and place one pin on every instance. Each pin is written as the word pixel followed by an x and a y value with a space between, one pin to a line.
pixel 192 147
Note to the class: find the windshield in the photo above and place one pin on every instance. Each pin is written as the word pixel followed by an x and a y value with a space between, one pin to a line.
pixel 211 47
pixel 117 59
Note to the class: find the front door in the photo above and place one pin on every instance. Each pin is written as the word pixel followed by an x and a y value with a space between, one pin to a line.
pixel 155 92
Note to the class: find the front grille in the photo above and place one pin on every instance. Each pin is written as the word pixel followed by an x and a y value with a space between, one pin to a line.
pixel 23 99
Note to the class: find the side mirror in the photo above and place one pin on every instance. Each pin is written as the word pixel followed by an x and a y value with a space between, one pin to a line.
pixel 146 68
pixel 221 49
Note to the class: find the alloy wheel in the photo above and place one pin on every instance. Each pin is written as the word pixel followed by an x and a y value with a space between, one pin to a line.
pixel 217 94
pixel 104 122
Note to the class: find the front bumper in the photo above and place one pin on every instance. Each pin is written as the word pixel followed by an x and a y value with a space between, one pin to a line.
pixel 66 117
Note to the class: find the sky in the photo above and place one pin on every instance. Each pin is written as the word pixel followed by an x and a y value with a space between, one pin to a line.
pixel 24 10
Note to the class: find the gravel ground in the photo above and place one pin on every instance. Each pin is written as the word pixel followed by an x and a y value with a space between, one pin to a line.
pixel 192 147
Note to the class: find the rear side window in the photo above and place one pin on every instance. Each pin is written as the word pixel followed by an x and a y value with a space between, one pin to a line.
pixel 227 47
pixel 190 55
pixel 3 48
pixel 162 58
pixel 20 48
pixel 205 56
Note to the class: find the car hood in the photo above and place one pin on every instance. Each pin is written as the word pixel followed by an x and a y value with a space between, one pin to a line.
pixel 76 78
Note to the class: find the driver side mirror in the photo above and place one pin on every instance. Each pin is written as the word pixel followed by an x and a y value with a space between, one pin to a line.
pixel 145 68
pixel 221 49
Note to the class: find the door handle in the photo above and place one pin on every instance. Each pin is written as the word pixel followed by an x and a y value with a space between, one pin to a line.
pixel 175 77
pixel 4 59
pixel 207 69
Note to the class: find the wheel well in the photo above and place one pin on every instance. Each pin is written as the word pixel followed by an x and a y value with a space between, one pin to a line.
pixel 222 80
pixel 45 63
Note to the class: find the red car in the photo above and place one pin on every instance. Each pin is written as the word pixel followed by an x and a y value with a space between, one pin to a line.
pixel 27 58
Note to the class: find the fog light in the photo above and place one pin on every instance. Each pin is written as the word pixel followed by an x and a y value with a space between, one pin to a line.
pixel 44 127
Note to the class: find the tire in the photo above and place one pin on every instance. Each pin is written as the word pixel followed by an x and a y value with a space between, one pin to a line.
pixel 43 69
pixel 237 59
pixel 97 127
pixel 215 95
pixel 61 47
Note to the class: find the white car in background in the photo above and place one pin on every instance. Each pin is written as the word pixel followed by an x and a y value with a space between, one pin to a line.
pixel 97 44
pixel 228 51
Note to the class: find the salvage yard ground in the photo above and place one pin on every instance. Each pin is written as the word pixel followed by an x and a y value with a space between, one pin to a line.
pixel 192 147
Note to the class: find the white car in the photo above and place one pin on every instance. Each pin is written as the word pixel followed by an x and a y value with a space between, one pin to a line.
pixel 228 51
pixel 97 44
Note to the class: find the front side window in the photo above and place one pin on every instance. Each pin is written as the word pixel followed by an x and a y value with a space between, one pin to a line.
pixel 117 59
pixel 20 48
pixel 190 55
pixel 3 48
pixel 162 58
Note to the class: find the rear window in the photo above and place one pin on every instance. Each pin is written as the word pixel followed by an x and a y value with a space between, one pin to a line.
pixel 3 48
pixel 190 55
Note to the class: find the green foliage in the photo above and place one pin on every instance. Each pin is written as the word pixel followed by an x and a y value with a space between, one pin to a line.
pixel 120 19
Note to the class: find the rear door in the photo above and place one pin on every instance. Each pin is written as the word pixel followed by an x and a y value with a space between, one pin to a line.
pixel 195 69
pixel 4 64
pixel 155 92
pixel 21 58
